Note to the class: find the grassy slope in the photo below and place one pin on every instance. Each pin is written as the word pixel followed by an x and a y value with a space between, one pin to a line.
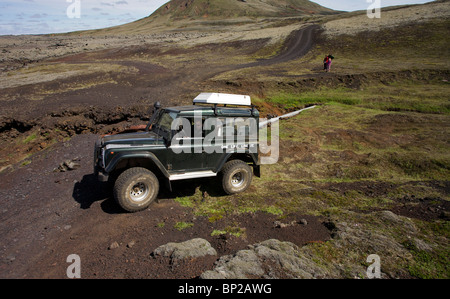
pixel 389 131
pixel 408 47
pixel 204 14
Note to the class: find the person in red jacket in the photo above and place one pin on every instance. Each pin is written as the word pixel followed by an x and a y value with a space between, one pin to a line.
pixel 327 62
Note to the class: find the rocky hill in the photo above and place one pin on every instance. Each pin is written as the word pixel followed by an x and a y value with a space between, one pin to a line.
pixel 212 15
pixel 180 9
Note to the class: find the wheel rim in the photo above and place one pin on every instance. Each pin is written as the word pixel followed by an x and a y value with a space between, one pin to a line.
pixel 139 192
pixel 237 179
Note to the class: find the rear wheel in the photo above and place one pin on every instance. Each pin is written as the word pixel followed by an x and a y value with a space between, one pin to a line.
pixel 236 176
pixel 135 189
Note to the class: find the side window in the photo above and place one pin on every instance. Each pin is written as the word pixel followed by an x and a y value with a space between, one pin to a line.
pixel 241 127
pixel 227 127
pixel 197 127
pixel 236 127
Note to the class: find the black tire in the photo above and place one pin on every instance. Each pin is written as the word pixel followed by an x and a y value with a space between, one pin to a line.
pixel 135 189
pixel 236 176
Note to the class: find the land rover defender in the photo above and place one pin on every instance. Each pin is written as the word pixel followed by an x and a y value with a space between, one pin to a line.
pixel 216 136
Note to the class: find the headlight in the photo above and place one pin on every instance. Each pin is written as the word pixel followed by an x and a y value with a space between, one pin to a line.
pixel 102 158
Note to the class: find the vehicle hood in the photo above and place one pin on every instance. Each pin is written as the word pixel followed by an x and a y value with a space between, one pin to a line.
pixel 139 138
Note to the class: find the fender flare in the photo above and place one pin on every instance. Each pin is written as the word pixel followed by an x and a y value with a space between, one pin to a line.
pixel 228 156
pixel 135 155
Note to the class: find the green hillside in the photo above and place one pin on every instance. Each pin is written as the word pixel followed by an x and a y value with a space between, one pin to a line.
pixel 180 9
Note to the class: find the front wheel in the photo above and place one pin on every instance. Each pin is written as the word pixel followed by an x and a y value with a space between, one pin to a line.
pixel 236 176
pixel 135 189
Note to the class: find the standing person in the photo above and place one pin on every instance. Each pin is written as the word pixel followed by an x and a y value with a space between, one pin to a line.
pixel 325 61
pixel 328 63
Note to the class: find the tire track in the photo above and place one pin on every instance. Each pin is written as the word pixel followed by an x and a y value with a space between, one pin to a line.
pixel 296 46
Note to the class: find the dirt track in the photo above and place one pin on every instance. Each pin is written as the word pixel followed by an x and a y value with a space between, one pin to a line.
pixel 151 82
pixel 297 44
pixel 117 98
pixel 47 215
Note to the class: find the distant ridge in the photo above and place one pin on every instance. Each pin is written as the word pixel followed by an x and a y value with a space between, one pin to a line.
pixel 205 14
pixel 196 9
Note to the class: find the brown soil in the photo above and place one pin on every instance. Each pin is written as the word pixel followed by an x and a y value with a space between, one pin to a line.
pixel 110 107
pixel 46 214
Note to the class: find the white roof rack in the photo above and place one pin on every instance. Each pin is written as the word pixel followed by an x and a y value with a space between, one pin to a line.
pixel 223 98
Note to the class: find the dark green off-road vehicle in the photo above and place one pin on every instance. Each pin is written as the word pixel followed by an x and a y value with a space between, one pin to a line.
pixel 216 136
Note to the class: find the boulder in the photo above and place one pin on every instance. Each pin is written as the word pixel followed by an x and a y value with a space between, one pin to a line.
pixel 189 249
pixel 244 264
pixel 268 259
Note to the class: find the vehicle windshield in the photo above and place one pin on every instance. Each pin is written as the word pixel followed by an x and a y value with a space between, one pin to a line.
pixel 163 121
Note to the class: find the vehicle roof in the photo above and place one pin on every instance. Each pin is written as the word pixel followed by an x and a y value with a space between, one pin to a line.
pixel 223 98
pixel 208 110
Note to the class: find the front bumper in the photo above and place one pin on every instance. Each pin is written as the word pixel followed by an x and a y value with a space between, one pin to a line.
pixel 102 177
pixel 98 159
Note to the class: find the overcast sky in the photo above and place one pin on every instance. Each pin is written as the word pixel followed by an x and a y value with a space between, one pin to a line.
pixel 57 16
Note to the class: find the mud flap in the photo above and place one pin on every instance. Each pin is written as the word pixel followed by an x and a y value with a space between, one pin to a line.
pixel 257 170
pixel 168 184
